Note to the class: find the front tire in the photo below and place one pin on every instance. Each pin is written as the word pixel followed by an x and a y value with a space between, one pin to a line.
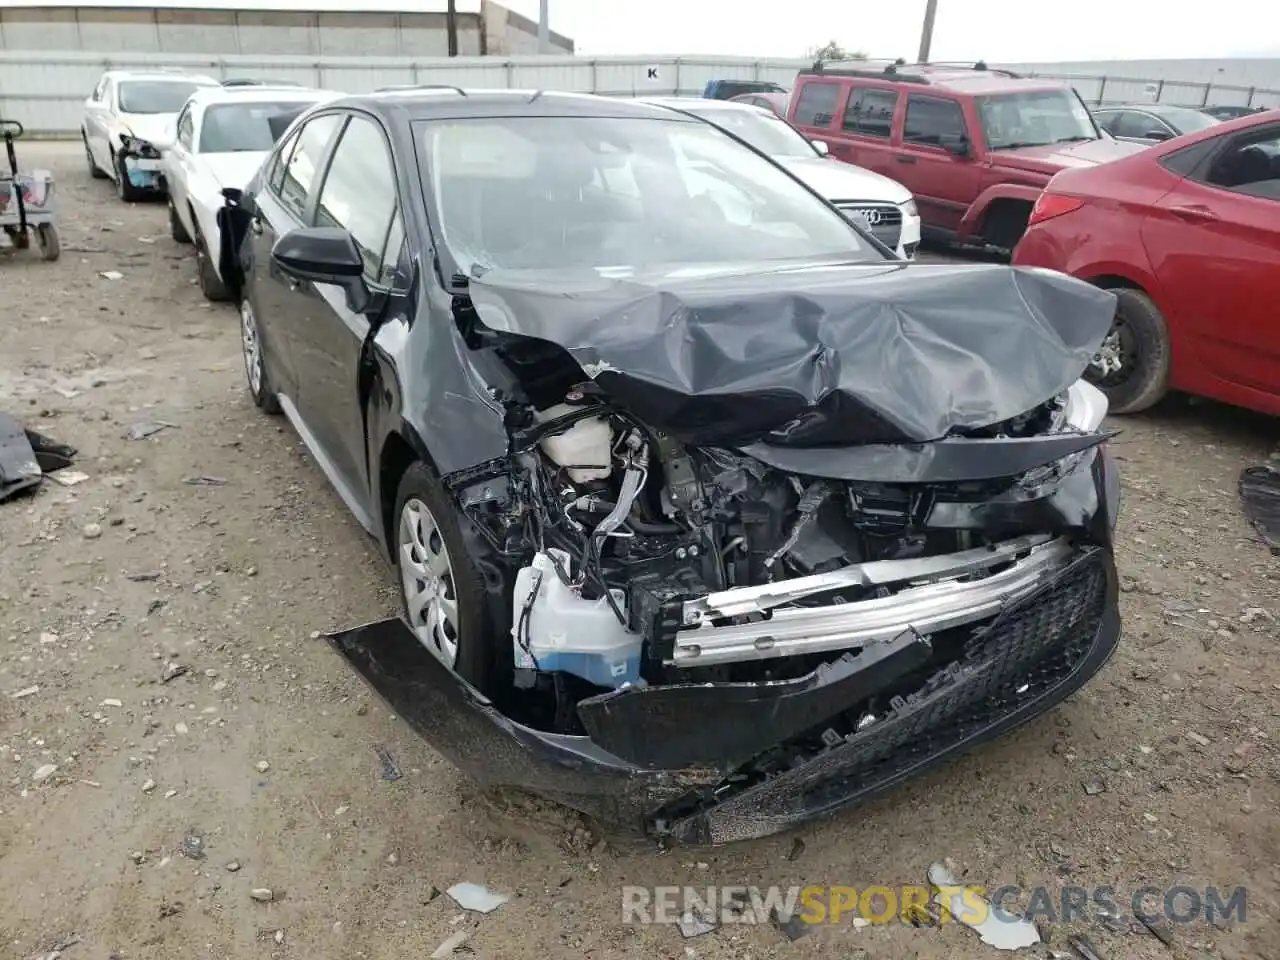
pixel 1139 342
pixel 255 361
pixel 126 190
pixel 442 592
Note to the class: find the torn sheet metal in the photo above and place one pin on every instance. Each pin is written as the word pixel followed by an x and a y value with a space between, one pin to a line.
pixel 813 355
pixel 997 927
pixel 1260 498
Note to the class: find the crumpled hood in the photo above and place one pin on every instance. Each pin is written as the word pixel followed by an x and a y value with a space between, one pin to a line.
pixel 837 180
pixel 816 354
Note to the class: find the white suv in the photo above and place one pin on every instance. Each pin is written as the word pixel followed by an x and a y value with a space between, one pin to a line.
pixel 885 206
pixel 128 123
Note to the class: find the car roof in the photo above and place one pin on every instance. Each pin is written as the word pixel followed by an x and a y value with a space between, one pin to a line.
pixel 1156 109
pixel 207 96
pixel 162 75
pixel 451 103
pixel 976 79
pixel 701 104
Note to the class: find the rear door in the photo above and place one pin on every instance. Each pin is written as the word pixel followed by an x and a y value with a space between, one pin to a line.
pixel 1214 242
pixel 944 185
pixel 283 204
pixel 817 103
pixel 867 125
pixel 358 195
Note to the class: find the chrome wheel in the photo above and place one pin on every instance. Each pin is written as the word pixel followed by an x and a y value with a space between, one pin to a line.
pixel 251 346
pixel 426 576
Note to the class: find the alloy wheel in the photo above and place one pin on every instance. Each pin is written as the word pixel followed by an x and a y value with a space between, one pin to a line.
pixel 426 575
pixel 251 347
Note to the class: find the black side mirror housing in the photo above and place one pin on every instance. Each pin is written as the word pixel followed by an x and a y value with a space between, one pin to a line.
pixel 1160 135
pixel 956 144
pixel 324 255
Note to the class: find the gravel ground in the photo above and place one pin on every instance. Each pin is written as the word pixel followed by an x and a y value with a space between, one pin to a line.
pixel 1163 771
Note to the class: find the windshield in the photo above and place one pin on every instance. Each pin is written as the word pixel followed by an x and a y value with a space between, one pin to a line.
pixel 237 127
pixel 766 133
pixel 555 193
pixel 1034 119
pixel 1188 121
pixel 155 96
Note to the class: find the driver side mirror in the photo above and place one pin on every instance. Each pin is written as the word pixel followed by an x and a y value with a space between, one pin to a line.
pixel 956 144
pixel 1157 134
pixel 324 255
pixel 821 146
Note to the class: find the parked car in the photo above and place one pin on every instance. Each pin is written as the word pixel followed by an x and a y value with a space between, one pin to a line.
pixel 974 146
pixel 631 457
pixel 726 89
pixel 1187 235
pixel 775 103
pixel 884 206
pixel 1231 113
pixel 220 139
pixel 1149 123
pixel 128 123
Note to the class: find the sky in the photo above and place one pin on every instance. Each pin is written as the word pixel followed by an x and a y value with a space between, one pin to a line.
pixel 1012 31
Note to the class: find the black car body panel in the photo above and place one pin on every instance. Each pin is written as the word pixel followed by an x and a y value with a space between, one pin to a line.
pixel 824 429
pixel 797 356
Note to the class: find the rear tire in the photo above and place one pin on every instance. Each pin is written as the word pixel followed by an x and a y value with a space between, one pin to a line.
pixel 95 171
pixel 176 229
pixel 1142 338
pixel 425 517
pixel 255 361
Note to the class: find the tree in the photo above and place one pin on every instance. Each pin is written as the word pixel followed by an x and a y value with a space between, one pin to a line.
pixel 833 51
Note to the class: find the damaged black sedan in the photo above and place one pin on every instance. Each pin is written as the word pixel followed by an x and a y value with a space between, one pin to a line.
pixel 710 514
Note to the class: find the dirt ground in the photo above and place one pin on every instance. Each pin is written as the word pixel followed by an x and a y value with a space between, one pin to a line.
pixel 1163 771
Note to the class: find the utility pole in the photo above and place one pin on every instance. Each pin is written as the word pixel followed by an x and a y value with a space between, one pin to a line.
pixel 451 26
pixel 544 27
pixel 926 34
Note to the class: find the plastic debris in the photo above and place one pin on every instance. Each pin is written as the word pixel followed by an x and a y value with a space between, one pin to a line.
pixel 147 428
pixel 111 275
pixel 193 846
pixel 453 943
pixel 205 481
pixel 998 928
pixel 1260 496
pixel 472 896
pixel 68 478
pixel 390 770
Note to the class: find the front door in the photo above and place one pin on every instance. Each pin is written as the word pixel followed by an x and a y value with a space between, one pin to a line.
pixel 358 194
pixel 943 184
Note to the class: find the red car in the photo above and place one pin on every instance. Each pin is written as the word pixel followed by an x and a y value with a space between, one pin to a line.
pixel 777 102
pixel 1187 234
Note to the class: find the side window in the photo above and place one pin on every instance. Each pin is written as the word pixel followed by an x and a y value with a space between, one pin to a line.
pixel 1108 121
pixel 817 104
pixel 870 112
pixel 186 127
pixel 300 171
pixel 275 173
pixel 1249 164
pixel 930 119
pixel 99 89
pixel 359 191
pixel 109 95
pixel 1130 123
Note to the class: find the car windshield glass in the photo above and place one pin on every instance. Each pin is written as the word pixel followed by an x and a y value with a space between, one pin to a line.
pixel 237 127
pixel 556 193
pixel 1188 121
pixel 1034 118
pixel 766 133
pixel 155 96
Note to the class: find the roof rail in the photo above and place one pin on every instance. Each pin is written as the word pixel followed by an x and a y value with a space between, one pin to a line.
pixel 969 65
pixel 397 87
pixel 866 68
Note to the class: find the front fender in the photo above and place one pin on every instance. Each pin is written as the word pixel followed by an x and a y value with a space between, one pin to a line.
pixel 971 223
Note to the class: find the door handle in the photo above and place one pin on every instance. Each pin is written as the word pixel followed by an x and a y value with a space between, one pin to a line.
pixel 1196 212
pixel 903 159
pixel 256 226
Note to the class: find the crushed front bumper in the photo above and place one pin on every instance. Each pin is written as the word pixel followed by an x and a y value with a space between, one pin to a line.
pixel 697 762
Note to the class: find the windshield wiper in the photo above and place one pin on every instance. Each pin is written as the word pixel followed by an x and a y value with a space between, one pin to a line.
pixel 1018 144
pixel 1079 138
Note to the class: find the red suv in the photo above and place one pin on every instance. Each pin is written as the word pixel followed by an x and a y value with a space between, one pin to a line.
pixel 975 146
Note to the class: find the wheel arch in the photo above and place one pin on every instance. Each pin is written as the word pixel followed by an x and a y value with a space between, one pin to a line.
pixel 401 448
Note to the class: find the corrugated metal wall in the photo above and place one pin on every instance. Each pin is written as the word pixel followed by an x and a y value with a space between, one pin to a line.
pixel 46 91
pixel 1188 83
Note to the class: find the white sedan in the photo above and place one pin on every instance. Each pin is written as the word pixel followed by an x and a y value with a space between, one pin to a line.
pixel 221 138
pixel 885 206
pixel 128 121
